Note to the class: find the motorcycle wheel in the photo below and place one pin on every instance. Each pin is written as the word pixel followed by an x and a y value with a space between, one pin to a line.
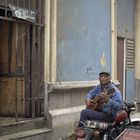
pixel 135 125
pixel 90 137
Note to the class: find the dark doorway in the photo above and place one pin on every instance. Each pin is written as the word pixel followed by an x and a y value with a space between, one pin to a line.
pixel 22 58
pixel 120 63
pixel 21 69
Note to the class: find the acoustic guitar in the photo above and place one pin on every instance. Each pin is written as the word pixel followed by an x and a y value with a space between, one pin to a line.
pixel 97 101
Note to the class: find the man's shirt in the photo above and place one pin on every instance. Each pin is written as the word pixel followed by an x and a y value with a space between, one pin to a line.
pixel 115 102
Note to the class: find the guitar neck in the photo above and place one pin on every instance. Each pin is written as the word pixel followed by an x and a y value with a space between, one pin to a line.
pixel 110 91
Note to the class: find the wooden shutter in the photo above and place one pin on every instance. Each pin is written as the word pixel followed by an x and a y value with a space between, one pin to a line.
pixel 130 54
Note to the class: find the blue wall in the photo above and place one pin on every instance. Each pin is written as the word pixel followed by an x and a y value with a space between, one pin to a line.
pixel 83 39
pixel 130 84
pixel 126 29
pixel 126 18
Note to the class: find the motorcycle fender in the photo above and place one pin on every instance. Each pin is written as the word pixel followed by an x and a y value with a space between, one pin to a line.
pixel 135 120
pixel 129 134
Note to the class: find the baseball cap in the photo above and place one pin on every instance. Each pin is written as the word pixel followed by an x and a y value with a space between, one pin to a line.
pixel 104 72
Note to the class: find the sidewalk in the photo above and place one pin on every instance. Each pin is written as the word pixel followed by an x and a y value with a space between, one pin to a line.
pixel 135 115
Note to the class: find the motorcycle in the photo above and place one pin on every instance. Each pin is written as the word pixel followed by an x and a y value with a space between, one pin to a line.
pixel 98 130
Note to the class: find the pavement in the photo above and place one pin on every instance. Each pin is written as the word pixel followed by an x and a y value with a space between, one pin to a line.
pixel 135 115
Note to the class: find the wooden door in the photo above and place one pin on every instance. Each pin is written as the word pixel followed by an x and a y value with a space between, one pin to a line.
pixel 34 71
pixel 120 63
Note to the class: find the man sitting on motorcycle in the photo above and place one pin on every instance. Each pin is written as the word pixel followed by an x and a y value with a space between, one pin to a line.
pixel 110 104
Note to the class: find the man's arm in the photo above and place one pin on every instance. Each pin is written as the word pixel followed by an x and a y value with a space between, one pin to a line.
pixel 90 96
pixel 92 93
pixel 114 103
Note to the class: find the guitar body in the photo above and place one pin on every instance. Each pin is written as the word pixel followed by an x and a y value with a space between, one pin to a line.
pixel 96 107
pixel 95 104
pixel 97 101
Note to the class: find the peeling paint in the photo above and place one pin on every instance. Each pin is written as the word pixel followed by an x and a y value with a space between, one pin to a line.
pixel 103 60
pixel 62 43
pixel 79 43
pixel 89 71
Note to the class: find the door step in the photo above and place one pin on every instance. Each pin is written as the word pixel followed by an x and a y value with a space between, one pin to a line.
pixel 21 126
pixel 38 134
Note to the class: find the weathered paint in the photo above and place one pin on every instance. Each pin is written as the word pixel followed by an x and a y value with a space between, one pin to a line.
pixel 130 84
pixel 126 18
pixel 137 40
pixel 83 39
pixel 113 39
pixel 47 42
pixel 103 60
pixel 126 29
pixel 138 90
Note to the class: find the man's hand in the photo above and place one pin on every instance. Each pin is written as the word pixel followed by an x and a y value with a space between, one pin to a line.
pixel 105 97
pixel 88 102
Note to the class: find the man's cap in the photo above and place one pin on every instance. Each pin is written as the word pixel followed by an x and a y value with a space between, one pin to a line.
pixel 104 72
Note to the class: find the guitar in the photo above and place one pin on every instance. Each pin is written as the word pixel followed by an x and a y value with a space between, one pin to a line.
pixel 97 101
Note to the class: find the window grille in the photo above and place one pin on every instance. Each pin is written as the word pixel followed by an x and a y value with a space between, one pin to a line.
pixel 130 54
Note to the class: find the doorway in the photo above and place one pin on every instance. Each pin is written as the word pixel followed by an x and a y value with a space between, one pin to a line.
pixel 21 70
pixel 121 64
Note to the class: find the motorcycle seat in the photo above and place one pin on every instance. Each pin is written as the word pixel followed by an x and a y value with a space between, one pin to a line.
pixel 95 124
pixel 130 105
pixel 121 116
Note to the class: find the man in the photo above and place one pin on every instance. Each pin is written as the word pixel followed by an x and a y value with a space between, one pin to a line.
pixel 111 104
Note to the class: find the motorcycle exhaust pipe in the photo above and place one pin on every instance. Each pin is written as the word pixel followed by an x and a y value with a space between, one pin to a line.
pixel 105 137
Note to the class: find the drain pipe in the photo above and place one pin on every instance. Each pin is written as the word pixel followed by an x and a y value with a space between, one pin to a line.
pixel 137 51
pixel 16 76
pixel 47 42
pixel 53 40
pixel 114 38
pixel 137 40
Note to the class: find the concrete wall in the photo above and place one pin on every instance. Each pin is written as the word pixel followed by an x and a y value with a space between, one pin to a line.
pixel 137 90
pixel 65 98
pixel 126 18
pixel 137 54
pixel 130 84
pixel 65 102
pixel 126 30
pixel 83 39
pixel 65 105
pixel 83 49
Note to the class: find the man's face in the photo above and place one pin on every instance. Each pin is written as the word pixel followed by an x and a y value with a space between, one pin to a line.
pixel 104 79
